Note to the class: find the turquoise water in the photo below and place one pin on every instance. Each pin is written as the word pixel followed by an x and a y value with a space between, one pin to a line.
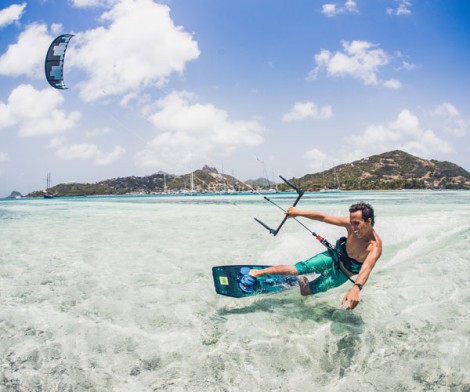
pixel 115 294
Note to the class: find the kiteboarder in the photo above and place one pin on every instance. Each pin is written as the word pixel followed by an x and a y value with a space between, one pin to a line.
pixel 355 254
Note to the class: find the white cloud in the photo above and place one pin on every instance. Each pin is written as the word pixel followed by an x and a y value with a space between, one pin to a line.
pixel 407 66
pixel 35 112
pixel 141 47
pixel 56 29
pixel 331 10
pixel 448 118
pixel 190 131
pixel 393 84
pixel 405 133
pixel 90 152
pixel 315 159
pixel 86 151
pixel 403 8
pixel 26 57
pixel 446 109
pixel 304 110
pixel 3 156
pixel 359 59
pixel 91 3
pixel 11 14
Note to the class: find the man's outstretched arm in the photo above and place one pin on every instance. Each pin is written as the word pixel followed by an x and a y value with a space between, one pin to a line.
pixel 294 212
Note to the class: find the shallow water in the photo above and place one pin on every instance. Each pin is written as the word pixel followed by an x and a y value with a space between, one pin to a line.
pixel 116 294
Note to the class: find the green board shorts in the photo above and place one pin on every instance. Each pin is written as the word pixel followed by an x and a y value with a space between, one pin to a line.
pixel 323 264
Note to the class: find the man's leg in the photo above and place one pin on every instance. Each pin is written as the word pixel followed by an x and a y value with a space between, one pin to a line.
pixel 248 280
pixel 274 270
pixel 304 283
pixel 321 264
pixel 317 264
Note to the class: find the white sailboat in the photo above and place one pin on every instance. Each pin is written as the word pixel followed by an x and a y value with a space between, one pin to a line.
pixel 47 194
pixel 336 187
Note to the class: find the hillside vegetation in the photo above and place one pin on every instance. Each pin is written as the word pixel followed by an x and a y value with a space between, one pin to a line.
pixel 391 170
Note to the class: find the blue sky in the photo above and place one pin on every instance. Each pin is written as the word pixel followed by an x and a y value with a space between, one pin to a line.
pixel 251 87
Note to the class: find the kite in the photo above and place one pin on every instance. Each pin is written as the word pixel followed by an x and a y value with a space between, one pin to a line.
pixel 54 64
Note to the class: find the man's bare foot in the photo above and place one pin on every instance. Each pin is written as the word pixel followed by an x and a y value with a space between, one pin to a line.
pixel 304 285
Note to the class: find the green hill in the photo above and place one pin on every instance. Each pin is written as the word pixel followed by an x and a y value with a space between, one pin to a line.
pixel 205 180
pixel 391 170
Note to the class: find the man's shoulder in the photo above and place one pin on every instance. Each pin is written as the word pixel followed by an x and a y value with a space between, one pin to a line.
pixel 376 239
pixel 375 245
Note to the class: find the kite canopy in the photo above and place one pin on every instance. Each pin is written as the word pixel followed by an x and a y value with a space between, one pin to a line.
pixel 54 64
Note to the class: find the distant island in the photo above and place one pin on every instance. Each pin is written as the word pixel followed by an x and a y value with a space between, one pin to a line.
pixel 15 195
pixel 388 171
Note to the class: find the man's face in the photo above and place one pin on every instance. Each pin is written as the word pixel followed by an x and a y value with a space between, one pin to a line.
pixel 359 226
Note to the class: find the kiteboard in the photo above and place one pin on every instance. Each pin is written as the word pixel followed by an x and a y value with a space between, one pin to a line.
pixel 227 281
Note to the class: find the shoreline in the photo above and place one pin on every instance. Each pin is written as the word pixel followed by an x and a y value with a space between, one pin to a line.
pixel 231 194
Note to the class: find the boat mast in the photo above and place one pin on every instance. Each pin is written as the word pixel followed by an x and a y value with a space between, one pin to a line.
pixel 48 180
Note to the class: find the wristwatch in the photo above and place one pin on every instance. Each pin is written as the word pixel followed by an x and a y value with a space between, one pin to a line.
pixel 358 285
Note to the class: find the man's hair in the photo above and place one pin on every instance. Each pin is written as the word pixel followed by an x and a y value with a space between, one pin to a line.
pixel 367 211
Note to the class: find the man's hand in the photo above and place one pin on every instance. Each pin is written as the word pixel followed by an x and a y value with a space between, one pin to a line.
pixel 352 298
pixel 292 212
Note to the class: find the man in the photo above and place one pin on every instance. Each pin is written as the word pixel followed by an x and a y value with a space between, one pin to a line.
pixel 356 254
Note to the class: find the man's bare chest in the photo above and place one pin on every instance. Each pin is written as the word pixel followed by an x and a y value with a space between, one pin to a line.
pixel 357 251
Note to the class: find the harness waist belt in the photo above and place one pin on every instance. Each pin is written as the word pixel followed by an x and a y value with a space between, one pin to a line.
pixel 350 264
